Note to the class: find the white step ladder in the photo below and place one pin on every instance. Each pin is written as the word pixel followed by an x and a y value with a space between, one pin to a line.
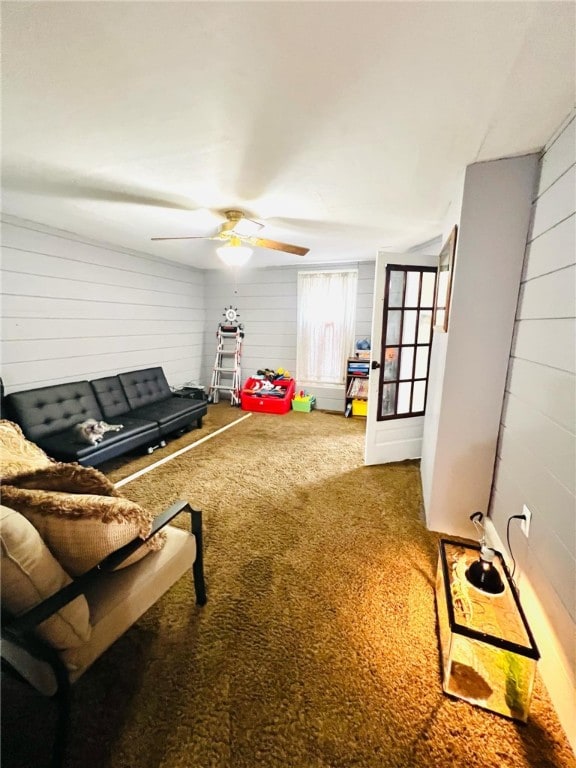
pixel 226 371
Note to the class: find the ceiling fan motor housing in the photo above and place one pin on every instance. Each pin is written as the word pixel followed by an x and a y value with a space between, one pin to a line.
pixel 232 219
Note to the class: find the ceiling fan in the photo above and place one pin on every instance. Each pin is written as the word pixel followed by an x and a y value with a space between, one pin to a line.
pixel 237 233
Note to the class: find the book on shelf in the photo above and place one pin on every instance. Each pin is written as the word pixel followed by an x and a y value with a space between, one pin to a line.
pixel 358 388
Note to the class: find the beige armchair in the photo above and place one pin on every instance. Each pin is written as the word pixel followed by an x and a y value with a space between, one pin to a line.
pixel 78 568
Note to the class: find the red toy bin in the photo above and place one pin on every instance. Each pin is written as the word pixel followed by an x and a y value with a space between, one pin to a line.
pixel 262 403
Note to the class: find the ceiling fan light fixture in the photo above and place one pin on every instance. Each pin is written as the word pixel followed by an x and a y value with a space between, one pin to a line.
pixel 233 254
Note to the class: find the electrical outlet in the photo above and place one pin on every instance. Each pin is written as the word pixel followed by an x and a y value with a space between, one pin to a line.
pixel 525 524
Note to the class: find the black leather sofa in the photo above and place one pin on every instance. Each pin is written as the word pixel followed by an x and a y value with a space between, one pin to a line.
pixel 141 401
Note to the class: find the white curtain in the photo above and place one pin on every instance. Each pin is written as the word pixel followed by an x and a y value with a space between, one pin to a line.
pixel 326 320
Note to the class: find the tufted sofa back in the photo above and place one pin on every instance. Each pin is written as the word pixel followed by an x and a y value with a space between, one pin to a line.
pixel 110 396
pixel 148 385
pixel 48 410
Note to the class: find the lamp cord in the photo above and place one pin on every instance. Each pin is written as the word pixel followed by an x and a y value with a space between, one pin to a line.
pixel 476 520
pixel 512 517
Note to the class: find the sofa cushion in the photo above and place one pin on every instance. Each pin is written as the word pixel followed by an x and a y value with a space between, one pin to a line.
pixel 17 454
pixel 117 599
pixel 46 411
pixel 30 574
pixel 82 529
pixel 176 409
pixel 148 385
pixel 110 396
pixel 67 446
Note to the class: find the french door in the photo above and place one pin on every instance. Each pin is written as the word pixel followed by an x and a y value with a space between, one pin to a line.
pixel 401 343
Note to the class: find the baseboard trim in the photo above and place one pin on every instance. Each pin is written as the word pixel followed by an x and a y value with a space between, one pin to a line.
pixel 174 455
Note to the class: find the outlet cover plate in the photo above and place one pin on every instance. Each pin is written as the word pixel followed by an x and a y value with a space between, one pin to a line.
pixel 525 524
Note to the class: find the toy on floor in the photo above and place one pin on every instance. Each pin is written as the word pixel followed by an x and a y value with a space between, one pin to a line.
pixel 265 388
pixel 267 396
pixel 268 373
pixel 303 402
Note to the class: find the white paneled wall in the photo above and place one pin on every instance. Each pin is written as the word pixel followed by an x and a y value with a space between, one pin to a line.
pixel 536 462
pixel 75 310
pixel 266 300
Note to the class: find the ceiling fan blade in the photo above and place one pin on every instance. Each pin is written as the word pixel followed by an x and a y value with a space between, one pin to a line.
pixel 296 250
pixel 64 182
pixel 193 237
pixel 239 228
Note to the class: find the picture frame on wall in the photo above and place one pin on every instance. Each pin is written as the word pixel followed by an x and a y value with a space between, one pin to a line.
pixel 444 283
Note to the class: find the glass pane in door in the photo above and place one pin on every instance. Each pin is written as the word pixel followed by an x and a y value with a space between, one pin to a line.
pixel 428 283
pixel 424 326
pixel 407 335
pixel 388 407
pixel 393 327
pixel 396 289
pixel 419 396
pixel 409 326
pixel 404 393
pixel 407 363
pixel 421 369
pixel 412 289
pixel 391 364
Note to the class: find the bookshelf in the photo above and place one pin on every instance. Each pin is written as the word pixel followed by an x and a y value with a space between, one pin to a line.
pixel 357 375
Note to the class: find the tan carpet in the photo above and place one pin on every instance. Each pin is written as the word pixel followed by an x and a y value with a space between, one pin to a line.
pixel 307 654
pixel 217 417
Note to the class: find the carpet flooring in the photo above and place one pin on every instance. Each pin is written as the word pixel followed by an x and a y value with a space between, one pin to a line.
pixel 317 647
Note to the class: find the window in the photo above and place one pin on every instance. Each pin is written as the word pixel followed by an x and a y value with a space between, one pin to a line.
pixel 325 325
pixel 406 341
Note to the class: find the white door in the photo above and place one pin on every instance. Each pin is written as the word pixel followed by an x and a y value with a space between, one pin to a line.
pixel 403 302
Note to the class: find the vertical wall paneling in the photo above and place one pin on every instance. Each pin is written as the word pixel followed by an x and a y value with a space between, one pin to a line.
pixel 536 460
pixel 74 309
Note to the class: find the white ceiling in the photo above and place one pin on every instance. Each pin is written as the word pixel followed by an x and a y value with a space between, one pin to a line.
pixel 344 126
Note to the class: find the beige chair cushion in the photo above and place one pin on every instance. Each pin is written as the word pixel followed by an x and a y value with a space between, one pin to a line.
pixel 30 574
pixel 118 599
pixel 82 529
pixel 18 454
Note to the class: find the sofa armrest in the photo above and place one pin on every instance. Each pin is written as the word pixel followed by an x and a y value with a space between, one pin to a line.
pixel 30 619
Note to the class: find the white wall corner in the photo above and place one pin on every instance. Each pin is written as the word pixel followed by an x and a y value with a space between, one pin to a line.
pixel 467 387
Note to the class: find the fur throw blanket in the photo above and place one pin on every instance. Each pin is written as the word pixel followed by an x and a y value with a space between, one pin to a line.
pixel 68 478
pixel 73 491
pixel 40 488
